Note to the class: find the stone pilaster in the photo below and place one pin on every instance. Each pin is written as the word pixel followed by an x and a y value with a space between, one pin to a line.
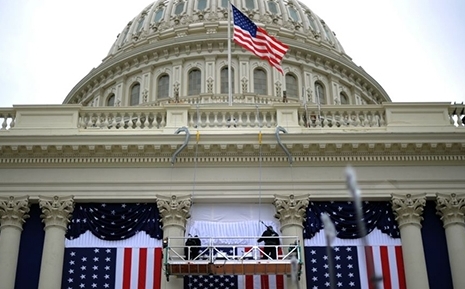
pixel 13 212
pixel 55 215
pixel 174 212
pixel 451 208
pixel 408 210
pixel 291 211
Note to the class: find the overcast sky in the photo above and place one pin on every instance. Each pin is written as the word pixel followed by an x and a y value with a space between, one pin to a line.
pixel 413 48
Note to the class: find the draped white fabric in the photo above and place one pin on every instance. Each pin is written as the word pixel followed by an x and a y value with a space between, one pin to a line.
pixel 234 224
pixel 139 240
pixel 375 238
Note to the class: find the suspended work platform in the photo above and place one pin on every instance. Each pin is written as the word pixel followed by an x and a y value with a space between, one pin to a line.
pixel 217 257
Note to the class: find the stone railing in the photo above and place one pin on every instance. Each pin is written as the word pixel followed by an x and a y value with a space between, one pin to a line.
pixel 295 117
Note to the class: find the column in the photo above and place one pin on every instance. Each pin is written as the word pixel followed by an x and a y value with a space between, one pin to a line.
pixel 451 208
pixel 13 212
pixel 291 210
pixel 55 215
pixel 174 212
pixel 408 209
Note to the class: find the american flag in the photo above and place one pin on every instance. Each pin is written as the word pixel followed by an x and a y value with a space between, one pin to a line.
pixel 257 40
pixel 234 281
pixel 350 267
pixel 114 268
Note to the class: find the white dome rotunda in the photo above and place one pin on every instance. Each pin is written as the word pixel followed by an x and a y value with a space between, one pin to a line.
pixel 178 51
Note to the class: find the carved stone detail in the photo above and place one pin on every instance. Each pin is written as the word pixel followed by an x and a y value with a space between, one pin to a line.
pixel 408 208
pixel 56 210
pixel 291 210
pixel 13 211
pixel 451 208
pixel 174 210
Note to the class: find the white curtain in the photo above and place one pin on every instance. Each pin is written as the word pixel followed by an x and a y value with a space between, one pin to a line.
pixel 234 224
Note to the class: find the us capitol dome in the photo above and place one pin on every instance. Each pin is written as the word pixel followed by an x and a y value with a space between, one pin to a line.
pixel 178 51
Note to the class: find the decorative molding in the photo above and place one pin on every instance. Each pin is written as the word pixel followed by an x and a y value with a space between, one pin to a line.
pixel 56 210
pixel 291 210
pixel 174 210
pixel 451 208
pixel 13 211
pixel 408 208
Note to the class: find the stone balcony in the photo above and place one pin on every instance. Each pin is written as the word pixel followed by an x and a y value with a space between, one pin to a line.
pixel 236 119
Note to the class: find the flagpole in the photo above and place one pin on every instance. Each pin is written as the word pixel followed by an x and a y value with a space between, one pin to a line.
pixel 229 56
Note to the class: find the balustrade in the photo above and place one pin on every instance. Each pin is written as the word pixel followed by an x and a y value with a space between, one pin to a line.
pixel 211 112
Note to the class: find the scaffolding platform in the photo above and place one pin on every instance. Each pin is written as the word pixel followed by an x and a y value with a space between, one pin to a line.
pixel 214 259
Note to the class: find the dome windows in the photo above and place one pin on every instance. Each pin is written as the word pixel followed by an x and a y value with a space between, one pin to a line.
pixel 273 7
pixel 179 8
pixel 135 94
pixel 293 14
pixel 259 81
pixel 225 80
pixel 343 98
pixel 320 93
pixel 194 82
pixel 201 5
pixel 140 24
pixel 110 100
pixel 291 85
pixel 158 15
pixel 250 4
pixel 163 86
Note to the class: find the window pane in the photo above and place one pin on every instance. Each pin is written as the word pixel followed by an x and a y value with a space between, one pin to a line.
pixel 259 80
pixel 140 25
pixel 320 93
pixel 225 3
pixel 163 86
pixel 291 86
pixel 272 6
pixel 158 15
pixel 344 98
pixel 250 4
pixel 202 4
pixel 194 82
pixel 224 80
pixel 179 8
pixel 135 94
pixel 111 100
pixel 312 22
pixel 293 14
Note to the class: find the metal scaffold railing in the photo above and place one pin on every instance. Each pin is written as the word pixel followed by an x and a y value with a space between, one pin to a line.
pixel 231 256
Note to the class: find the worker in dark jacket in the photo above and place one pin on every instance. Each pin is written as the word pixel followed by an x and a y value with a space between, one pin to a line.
pixel 271 239
pixel 192 249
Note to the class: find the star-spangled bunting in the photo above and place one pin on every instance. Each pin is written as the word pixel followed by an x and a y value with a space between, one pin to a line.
pixel 255 39
pixel 350 269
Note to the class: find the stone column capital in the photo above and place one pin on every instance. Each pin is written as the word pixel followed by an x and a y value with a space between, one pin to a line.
pixel 408 208
pixel 174 210
pixel 451 208
pixel 14 211
pixel 291 210
pixel 56 210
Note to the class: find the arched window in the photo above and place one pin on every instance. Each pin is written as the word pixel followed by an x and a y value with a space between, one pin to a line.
pixel 163 86
pixel 291 85
pixel 293 14
pixel 259 81
pixel 311 21
pixel 343 98
pixel 194 84
pixel 320 93
pixel 111 100
pixel 135 94
pixel 225 80
pixel 140 24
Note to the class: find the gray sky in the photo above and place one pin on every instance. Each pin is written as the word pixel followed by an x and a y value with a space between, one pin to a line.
pixel 413 48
